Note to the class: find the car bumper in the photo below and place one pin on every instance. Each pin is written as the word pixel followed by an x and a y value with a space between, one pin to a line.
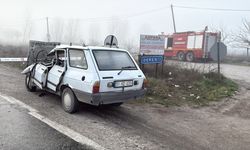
pixel 109 97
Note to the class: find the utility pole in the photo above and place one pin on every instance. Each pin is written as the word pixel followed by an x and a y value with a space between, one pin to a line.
pixel 172 10
pixel 247 52
pixel 48 35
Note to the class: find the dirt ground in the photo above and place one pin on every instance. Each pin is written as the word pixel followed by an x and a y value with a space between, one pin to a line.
pixel 224 125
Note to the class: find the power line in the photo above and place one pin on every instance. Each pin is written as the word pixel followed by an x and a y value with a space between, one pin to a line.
pixel 107 19
pixel 100 19
pixel 148 12
pixel 213 9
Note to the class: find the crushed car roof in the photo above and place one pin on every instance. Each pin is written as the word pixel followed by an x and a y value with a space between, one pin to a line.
pixel 58 47
pixel 87 47
pixel 83 47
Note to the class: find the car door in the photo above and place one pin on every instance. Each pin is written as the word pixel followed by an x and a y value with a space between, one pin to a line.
pixel 40 75
pixel 56 73
pixel 78 76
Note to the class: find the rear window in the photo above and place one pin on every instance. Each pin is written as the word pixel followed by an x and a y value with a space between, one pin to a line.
pixel 113 60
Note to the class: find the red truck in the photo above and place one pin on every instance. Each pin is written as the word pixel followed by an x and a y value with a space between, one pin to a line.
pixel 190 46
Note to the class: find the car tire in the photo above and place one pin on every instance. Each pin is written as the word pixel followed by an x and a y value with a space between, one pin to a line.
pixel 181 56
pixel 117 104
pixel 190 56
pixel 29 85
pixel 70 103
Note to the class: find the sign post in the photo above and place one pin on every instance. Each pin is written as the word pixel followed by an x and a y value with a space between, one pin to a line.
pixel 218 52
pixel 152 51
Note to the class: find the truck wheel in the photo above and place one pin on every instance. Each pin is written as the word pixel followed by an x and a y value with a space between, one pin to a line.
pixel 70 103
pixel 190 56
pixel 29 85
pixel 181 56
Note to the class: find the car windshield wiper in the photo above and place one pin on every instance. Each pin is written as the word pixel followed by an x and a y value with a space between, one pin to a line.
pixel 127 67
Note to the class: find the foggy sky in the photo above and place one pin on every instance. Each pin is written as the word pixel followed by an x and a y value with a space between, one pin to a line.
pixel 90 21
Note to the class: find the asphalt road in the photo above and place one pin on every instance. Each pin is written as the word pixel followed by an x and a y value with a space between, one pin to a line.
pixel 224 125
pixel 21 131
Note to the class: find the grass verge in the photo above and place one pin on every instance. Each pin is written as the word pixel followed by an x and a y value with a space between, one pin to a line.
pixel 188 87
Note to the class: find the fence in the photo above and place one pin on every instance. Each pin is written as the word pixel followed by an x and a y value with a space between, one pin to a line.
pixel 13 59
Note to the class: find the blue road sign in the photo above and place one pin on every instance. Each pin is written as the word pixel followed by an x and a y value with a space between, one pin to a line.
pixel 152 59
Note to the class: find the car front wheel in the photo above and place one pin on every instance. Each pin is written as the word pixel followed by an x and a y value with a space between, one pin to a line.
pixel 29 85
pixel 69 101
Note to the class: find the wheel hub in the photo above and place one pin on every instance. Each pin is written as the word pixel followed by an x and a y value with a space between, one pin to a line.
pixel 67 100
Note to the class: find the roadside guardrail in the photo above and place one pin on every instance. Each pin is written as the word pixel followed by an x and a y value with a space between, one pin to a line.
pixel 13 59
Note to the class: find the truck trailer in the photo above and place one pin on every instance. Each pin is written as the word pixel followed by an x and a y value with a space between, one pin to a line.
pixel 190 46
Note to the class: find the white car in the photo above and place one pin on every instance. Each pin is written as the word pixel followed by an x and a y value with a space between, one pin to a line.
pixel 93 75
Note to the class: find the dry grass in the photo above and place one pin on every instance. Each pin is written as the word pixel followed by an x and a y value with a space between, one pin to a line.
pixel 186 87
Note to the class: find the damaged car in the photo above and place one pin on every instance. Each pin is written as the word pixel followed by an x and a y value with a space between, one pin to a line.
pixel 92 75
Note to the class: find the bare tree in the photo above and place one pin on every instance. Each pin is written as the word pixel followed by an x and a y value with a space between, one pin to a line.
pixel 119 28
pixel 242 37
pixel 57 30
pixel 94 34
pixel 27 30
pixel 130 45
pixel 226 36
pixel 72 32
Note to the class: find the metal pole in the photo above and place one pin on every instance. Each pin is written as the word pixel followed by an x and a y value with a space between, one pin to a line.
pixel 156 70
pixel 218 54
pixel 111 43
pixel 48 35
pixel 172 10
pixel 162 66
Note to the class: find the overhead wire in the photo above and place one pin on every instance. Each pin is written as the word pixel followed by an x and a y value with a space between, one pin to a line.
pixel 127 16
pixel 213 9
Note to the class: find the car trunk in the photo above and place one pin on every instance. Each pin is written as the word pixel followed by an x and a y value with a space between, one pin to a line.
pixel 127 80
pixel 117 71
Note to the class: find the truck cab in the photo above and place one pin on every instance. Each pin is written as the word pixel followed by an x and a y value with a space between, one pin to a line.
pixel 92 75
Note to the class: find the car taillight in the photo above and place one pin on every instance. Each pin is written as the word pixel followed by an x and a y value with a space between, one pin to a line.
pixel 96 87
pixel 145 83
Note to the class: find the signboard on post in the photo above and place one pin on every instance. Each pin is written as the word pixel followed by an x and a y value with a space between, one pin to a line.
pixel 152 45
pixel 152 51
pixel 152 59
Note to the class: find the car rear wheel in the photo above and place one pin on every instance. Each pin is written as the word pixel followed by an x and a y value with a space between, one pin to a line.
pixel 69 101
pixel 190 56
pixel 181 56
pixel 29 85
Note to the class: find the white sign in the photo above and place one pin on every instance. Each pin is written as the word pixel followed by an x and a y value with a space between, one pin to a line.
pixel 152 44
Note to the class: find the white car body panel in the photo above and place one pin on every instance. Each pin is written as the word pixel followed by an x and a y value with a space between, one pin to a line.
pixel 81 80
pixel 54 76
pixel 40 75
